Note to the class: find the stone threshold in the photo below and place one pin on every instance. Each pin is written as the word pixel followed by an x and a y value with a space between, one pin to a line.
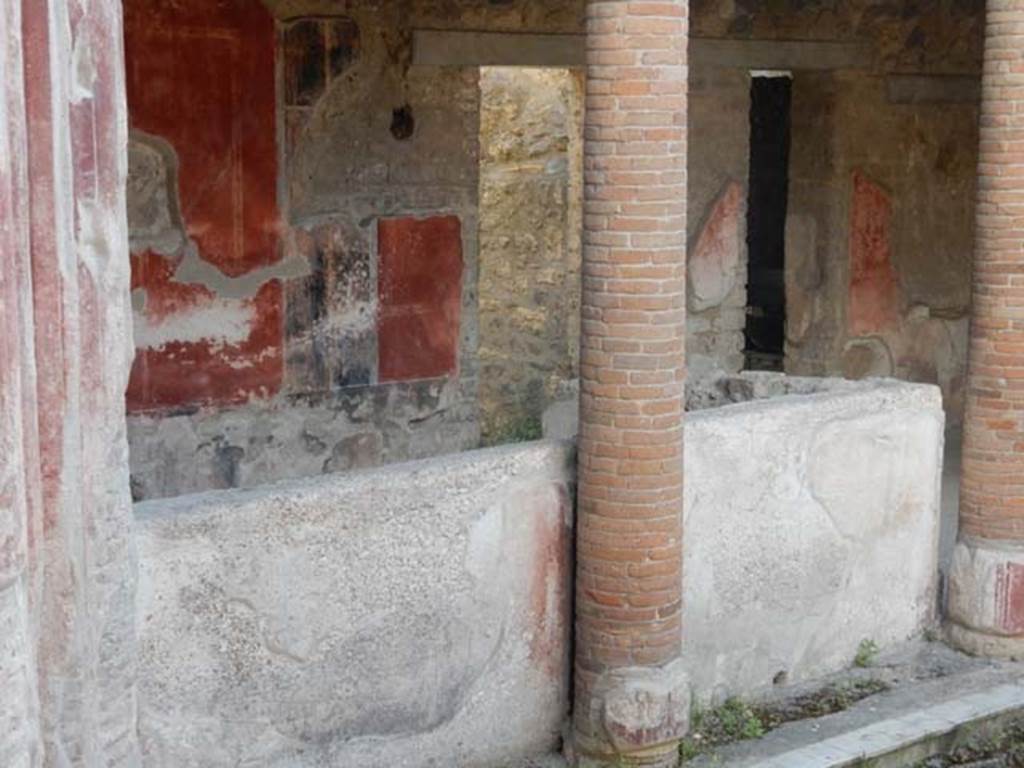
pixel 939 699
pixel 897 729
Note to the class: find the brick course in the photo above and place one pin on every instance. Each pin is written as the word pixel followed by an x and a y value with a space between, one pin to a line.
pixel 629 586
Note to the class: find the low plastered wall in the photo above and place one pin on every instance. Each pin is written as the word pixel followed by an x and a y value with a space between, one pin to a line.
pixel 420 615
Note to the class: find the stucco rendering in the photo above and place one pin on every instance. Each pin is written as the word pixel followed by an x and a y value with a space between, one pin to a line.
pixel 436 594
pixel 821 533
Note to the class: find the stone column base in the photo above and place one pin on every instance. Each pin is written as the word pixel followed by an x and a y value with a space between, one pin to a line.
pixel 640 714
pixel 986 598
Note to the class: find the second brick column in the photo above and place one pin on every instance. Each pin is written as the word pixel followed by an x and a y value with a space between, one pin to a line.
pixel 631 695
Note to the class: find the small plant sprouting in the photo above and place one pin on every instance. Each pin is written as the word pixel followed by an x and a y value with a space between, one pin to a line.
pixel 866 653
pixel 731 722
pixel 524 429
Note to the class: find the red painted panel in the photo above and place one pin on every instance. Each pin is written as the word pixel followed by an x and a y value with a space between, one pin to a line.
pixel 47 284
pixel 1010 598
pixel 200 75
pixel 240 358
pixel 874 285
pixel 420 297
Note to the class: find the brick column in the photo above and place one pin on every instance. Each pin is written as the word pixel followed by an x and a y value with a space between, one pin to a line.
pixel 631 696
pixel 986 591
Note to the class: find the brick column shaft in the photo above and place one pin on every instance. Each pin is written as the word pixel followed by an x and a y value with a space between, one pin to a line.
pixel 987 581
pixel 629 575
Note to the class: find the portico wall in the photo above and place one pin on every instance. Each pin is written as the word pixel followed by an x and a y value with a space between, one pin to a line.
pixel 272 367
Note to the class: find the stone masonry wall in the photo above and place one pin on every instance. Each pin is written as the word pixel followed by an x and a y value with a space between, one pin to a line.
pixel 531 231
pixel 531 195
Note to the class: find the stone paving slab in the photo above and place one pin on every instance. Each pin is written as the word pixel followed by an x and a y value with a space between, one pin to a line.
pixel 883 724
pixel 935 692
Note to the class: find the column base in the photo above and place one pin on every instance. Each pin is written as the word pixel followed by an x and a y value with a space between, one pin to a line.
pixel 666 758
pixel 638 714
pixel 986 598
pixel 987 646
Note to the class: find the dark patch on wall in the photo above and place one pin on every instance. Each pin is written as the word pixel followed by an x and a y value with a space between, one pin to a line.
pixel 330 325
pixel 403 123
pixel 341 36
pixel 306 306
pixel 225 461
pixel 305 73
pixel 315 52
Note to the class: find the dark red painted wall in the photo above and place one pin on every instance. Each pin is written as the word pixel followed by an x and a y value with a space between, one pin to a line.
pixel 201 76
pixel 419 297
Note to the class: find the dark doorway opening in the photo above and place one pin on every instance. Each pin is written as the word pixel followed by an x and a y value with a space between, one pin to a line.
pixel 770 99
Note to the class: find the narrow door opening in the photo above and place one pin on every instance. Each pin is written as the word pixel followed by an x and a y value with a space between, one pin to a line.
pixel 770 98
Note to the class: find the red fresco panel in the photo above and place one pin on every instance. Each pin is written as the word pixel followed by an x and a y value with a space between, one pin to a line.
pixel 874 285
pixel 419 297
pixel 221 370
pixel 1010 598
pixel 200 75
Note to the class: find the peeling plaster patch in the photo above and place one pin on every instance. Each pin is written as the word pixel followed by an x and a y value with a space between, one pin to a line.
pixel 154 213
pixel 195 271
pixel 84 72
pixel 351 319
pixel 138 300
pixel 866 358
pixel 95 237
pixel 220 321
pixel 715 261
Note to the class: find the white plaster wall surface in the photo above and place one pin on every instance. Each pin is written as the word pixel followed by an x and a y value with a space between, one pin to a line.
pixel 413 616
pixel 812 523
pixel 418 615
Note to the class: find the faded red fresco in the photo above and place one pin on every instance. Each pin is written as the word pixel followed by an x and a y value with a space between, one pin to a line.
pixel 1010 598
pixel 208 371
pixel 419 291
pixel 550 583
pixel 200 75
pixel 712 268
pixel 47 287
pixel 874 285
